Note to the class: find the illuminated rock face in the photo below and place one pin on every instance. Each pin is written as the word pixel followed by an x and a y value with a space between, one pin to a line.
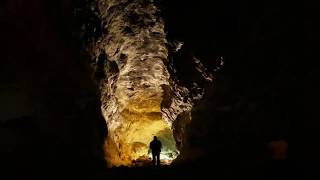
pixel 139 98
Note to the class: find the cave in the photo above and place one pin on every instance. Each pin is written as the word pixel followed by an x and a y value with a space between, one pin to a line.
pixel 76 98
pixel 139 94
pixel 139 119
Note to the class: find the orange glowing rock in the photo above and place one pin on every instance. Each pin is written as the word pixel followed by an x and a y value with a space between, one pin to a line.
pixel 139 98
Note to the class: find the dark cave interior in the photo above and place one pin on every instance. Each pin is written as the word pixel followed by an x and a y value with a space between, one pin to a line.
pixel 266 91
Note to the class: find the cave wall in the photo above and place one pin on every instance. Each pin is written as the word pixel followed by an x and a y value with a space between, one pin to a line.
pixel 244 33
pixel 135 89
pixel 50 110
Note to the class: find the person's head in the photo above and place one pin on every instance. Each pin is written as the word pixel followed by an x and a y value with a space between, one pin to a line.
pixel 155 138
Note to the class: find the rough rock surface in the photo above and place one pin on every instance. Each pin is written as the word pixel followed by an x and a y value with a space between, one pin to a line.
pixel 139 97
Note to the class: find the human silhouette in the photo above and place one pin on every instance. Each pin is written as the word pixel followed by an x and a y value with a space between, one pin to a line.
pixel 155 146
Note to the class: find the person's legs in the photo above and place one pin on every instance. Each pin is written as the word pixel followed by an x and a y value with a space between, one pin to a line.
pixel 158 159
pixel 153 159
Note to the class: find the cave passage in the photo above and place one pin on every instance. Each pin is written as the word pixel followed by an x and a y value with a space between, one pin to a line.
pixel 141 119
pixel 139 97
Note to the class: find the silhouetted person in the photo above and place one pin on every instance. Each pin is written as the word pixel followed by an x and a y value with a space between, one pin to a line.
pixel 155 147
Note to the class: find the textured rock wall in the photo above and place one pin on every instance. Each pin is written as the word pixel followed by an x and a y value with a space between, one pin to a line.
pixel 139 97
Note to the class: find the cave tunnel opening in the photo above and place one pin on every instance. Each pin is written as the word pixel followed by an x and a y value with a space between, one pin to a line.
pixel 130 146
pixel 140 119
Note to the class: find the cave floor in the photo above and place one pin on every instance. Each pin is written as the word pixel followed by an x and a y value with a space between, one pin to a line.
pixel 148 163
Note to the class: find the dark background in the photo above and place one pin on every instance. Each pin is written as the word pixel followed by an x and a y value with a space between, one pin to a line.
pixel 267 89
